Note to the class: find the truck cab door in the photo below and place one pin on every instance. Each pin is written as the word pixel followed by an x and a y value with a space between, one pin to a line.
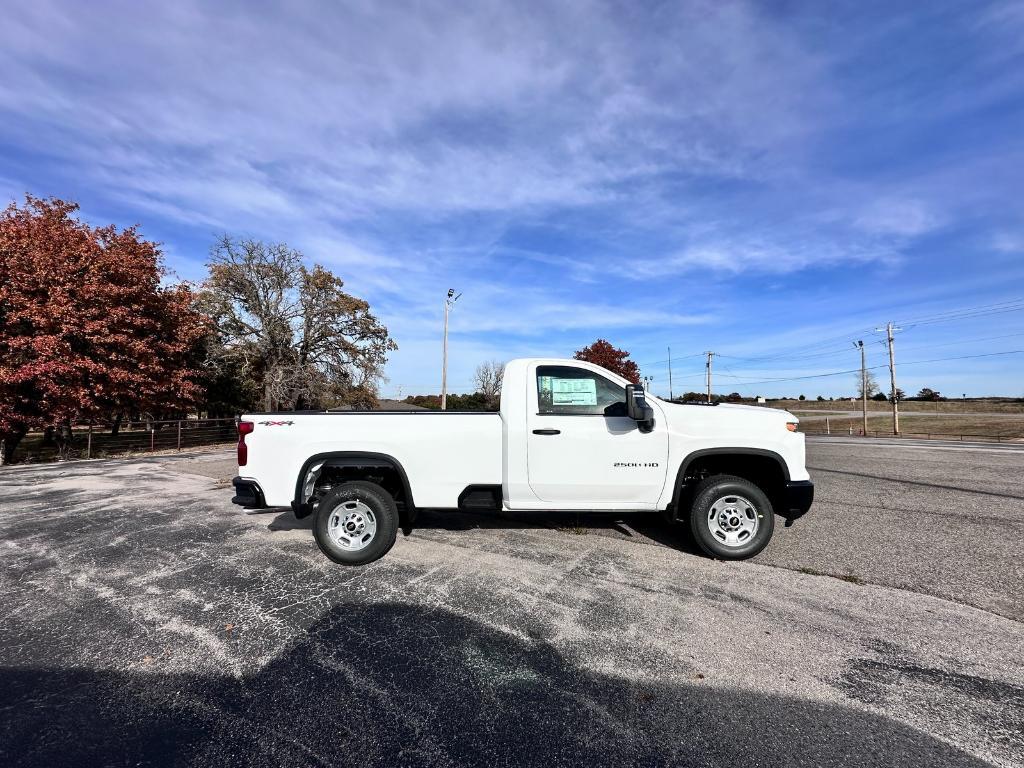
pixel 583 448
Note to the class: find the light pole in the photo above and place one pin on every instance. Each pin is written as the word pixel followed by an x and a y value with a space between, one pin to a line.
pixel 450 299
pixel 863 386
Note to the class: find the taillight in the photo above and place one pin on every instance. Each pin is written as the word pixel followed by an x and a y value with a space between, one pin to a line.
pixel 790 425
pixel 244 428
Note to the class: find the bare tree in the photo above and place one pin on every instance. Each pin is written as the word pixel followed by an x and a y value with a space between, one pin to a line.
pixel 872 385
pixel 303 340
pixel 488 378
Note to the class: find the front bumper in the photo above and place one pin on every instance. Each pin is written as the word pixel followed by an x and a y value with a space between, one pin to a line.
pixel 799 495
pixel 248 493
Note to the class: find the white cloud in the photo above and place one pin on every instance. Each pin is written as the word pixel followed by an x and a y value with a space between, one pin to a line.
pixel 1008 242
pixel 401 143
pixel 898 216
pixel 347 110
pixel 723 253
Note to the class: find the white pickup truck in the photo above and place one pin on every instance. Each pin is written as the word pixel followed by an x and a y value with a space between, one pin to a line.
pixel 569 435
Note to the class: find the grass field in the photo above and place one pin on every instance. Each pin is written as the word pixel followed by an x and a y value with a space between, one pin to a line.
pixel 906 406
pixel 1001 426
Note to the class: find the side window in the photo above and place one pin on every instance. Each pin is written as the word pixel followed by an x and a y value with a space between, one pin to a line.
pixel 575 391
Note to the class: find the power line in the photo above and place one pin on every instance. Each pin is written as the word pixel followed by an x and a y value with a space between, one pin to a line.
pixel 811 349
pixel 875 368
pixel 966 314
pixel 834 352
pixel 830 353
pixel 960 341
pixel 966 357
pixel 1012 305
pixel 671 359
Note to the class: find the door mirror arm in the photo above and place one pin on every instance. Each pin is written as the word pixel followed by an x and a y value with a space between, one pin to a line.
pixel 638 408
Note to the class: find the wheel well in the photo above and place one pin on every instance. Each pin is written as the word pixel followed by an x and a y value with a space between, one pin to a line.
pixel 764 470
pixel 322 473
pixel 386 477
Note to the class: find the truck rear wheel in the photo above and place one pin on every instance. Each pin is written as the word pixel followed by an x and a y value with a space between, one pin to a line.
pixel 731 518
pixel 356 523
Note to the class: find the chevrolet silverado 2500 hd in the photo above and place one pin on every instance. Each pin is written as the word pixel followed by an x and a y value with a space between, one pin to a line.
pixel 569 435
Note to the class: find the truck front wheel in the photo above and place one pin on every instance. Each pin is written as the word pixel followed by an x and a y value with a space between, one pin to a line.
pixel 356 523
pixel 731 518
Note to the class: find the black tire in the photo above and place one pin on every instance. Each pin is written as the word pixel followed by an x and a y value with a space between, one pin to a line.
pixel 357 495
pixel 721 497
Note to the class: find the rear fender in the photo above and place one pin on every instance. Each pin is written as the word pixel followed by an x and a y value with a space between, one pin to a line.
pixel 315 465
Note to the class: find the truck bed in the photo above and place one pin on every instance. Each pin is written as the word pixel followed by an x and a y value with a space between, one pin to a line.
pixel 428 444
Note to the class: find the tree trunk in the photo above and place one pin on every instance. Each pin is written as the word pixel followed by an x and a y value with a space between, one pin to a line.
pixel 64 438
pixel 116 426
pixel 10 440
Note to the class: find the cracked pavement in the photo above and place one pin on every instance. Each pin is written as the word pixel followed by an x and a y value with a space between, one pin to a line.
pixel 146 620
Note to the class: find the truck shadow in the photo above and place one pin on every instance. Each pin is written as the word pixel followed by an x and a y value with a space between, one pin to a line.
pixel 641 527
pixel 394 684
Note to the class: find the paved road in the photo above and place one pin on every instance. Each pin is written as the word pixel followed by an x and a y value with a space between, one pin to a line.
pixel 146 620
pixel 944 519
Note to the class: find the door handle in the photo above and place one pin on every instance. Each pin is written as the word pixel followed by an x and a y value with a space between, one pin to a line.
pixel 547 431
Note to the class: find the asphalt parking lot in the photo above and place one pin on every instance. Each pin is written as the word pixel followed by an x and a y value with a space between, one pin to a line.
pixel 148 621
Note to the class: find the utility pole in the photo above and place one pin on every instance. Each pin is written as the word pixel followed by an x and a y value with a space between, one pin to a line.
pixel 710 355
pixel 889 330
pixel 670 374
pixel 449 300
pixel 863 385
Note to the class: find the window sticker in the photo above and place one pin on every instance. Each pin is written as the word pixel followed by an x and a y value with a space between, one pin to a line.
pixel 573 391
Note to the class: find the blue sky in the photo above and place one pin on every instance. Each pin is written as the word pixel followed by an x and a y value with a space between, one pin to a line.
pixel 766 180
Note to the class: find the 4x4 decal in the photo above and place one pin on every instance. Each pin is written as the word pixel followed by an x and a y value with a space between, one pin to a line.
pixel 276 423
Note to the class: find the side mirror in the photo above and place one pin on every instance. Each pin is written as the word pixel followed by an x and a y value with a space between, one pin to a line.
pixel 638 409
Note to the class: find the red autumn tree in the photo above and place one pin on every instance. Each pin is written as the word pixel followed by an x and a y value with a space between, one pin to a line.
pixel 615 360
pixel 85 326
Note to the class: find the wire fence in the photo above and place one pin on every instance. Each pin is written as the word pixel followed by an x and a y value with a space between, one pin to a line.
pixel 91 441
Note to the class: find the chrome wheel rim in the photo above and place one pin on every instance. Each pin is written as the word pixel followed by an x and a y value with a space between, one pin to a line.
pixel 352 525
pixel 733 521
